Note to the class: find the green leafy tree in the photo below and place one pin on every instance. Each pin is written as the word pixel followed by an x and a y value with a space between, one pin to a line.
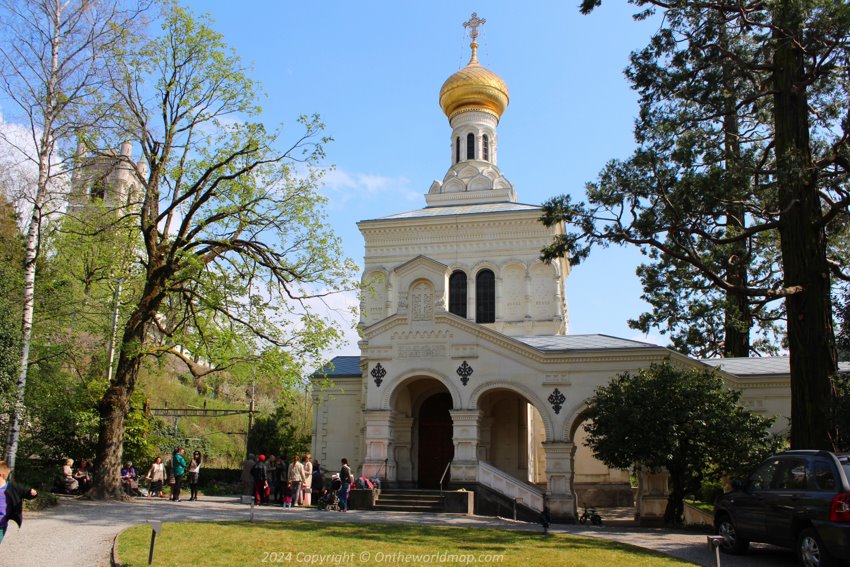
pixel 11 290
pixel 278 434
pixel 682 420
pixel 52 68
pixel 234 243
pixel 743 144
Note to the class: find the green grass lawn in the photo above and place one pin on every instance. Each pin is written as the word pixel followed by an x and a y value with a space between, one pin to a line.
pixel 211 544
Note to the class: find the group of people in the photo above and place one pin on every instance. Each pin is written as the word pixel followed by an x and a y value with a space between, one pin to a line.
pixel 76 481
pixel 291 484
pixel 276 479
pixel 79 481
pixel 180 472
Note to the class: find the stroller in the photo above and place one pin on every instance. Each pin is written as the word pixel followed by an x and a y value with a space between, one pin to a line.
pixel 329 499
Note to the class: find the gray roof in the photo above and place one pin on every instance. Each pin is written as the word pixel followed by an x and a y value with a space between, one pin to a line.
pixel 341 366
pixel 505 207
pixel 759 366
pixel 580 342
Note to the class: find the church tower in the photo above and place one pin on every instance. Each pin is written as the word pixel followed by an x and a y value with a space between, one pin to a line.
pixel 479 246
pixel 111 179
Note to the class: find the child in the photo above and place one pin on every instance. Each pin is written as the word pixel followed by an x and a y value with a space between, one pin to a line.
pixel 11 503
pixel 287 495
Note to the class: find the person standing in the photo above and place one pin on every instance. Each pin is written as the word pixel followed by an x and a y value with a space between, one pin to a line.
pixel 345 479
pixel 156 475
pixel 178 467
pixel 317 483
pixel 12 496
pixel 296 478
pixel 194 472
pixel 308 480
pixel 261 481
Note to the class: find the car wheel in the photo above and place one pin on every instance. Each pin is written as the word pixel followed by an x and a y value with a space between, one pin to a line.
pixel 731 544
pixel 810 550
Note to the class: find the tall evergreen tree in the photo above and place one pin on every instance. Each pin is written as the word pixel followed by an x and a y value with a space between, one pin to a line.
pixel 769 80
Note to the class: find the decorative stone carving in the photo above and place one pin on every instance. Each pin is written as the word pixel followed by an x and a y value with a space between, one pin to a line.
pixel 422 302
pixel 378 374
pixel 557 399
pixel 464 371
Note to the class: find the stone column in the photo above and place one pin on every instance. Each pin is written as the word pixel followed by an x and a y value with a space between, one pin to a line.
pixel 378 439
pixel 560 496
pixel 465 434
pixel 652 497
pixel 485 424
pixel 402 446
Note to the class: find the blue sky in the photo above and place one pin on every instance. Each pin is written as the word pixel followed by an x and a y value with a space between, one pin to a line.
pixel 373 71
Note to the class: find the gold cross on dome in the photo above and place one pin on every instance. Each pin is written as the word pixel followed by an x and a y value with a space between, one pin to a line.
pixel 474 22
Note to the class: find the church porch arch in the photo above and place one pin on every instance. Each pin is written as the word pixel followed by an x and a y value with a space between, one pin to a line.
pixel 594 483
pixel 415 429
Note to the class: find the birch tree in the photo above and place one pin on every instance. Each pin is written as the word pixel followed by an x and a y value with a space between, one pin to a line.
pixel 52 67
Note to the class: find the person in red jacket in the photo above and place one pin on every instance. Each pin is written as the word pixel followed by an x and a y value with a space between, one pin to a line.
pixel 11 500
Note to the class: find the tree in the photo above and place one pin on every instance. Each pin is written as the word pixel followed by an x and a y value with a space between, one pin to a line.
pixel 786 65
pixel 701 320
pixel 685 421
pixel 11 259
pixel 233 239
pixel 51 69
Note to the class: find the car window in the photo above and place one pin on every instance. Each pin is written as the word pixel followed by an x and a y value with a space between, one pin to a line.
pixel 761 479
pixel 823 477
pixel 790 475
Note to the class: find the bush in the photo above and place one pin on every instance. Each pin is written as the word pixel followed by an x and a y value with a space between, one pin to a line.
pixel 710 491
pixel 44 500
pixel 218 488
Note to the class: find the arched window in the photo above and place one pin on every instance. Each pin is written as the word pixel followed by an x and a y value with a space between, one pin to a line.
pixel 470 146
pixel 485 297
pixel 457 294
pixel 457 149
pixel 486 147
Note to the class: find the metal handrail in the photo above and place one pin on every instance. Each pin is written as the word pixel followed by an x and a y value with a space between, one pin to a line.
pixel 445 472
pixel 386 462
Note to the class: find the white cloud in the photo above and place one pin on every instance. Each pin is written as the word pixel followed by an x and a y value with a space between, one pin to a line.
pixel 345 186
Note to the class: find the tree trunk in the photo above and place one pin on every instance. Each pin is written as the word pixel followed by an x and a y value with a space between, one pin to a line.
pixel 30 258
pixel 738 317
pixel 115 404
pixel 811 338
pixel 675 510
pixel 33 244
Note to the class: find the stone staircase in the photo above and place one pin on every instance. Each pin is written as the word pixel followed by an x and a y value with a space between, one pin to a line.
pixel 415 500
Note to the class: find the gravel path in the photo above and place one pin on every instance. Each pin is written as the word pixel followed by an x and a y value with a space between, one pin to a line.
pixel 80 533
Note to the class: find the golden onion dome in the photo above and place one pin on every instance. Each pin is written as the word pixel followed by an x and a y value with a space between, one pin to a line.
pixel 474 88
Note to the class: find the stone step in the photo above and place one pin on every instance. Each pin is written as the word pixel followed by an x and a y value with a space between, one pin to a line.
pixel 407 508
pixel 411 500
pixel 408 501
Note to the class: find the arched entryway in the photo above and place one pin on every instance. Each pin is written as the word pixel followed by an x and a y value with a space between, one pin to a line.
pixel 512 435
pixel 436 449
pixel 420 431
pixel 596 484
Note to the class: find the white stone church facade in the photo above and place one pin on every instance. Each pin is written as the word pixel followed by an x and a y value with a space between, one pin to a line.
pixel 467 373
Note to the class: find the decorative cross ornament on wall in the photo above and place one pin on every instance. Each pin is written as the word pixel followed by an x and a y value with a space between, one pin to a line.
pixel 557 400
pixel 464 371
pixel 378 374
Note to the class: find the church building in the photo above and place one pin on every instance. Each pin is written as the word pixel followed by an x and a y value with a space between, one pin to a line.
pixel 468 376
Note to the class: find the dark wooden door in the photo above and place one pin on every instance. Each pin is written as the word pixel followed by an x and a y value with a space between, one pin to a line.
pixel 436 449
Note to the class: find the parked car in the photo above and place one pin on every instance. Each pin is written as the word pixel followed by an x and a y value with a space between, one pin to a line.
pixel 796 499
